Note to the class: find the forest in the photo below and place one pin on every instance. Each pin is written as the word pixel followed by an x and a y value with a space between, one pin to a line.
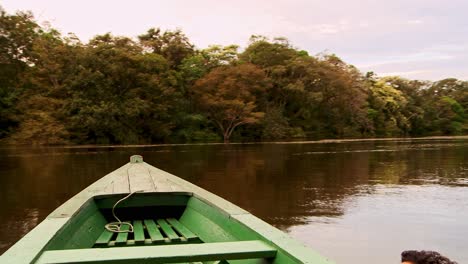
pixel 160 88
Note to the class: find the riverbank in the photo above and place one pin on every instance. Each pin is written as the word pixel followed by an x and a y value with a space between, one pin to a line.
pixel 248 143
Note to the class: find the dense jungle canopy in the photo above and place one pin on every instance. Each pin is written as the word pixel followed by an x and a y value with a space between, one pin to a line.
pixel 55 89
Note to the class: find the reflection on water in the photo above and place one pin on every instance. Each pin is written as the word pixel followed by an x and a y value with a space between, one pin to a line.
pixel 375 228
pixel 354 202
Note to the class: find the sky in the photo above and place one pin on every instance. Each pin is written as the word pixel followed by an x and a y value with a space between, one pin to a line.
pixel 416 39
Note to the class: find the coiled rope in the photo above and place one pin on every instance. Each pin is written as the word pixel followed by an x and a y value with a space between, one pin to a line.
pixel 116 227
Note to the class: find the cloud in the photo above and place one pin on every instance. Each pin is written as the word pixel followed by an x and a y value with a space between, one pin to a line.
pixel 405 73
pixel 422 56
pixel 327 28
pixel 414 22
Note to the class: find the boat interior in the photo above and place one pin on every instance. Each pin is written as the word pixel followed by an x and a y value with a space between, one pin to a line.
pixel 166 222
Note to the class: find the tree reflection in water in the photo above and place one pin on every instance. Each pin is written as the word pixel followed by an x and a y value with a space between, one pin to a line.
pixel 287 185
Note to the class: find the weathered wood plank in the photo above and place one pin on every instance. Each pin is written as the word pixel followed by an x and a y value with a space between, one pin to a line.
pixel 109 188
pixel 162 254
pixel 140 179
pixel 162 185
pixel 120 181
pixel 104 238
pixel 138 232
pixel 102 186
pixel 153 231
pixel 167 229
pixel 189 235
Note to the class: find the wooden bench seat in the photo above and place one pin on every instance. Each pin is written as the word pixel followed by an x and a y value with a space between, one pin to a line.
pixel 149 232
pixel 254 249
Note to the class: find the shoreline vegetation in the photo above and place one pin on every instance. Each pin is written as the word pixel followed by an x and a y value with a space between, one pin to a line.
pixel 320 141
pixel 160 88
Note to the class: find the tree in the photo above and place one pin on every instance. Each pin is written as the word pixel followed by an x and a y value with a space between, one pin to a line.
pixel 413 110
pixel 457 89
pixel 120 94
pixel 17 34
pixel 275 124
pixel 445 103
pixel 265 53
pixel 201 62
pixel 228 95
pixel 172 45
pixel 323 96
pixel 55 89
pixel 45 91
pixel 386 106
pixel 190 125
pixel 343 97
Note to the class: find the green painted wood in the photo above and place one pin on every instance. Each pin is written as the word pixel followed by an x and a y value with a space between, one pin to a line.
pixel 162 254
pixel 167 229
pixel 189 235
pixel 153 231
pixel 289 250
pixel 142 200
pixel 104 238
pixel 122 237
pixel 138 232
pixel 81 231
pixel 27 249
pixel 211 225
pixel 214 214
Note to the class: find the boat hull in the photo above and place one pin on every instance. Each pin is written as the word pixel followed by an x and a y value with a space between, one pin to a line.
pixel 170 216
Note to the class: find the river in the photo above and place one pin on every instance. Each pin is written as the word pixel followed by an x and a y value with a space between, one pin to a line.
pixel 352 201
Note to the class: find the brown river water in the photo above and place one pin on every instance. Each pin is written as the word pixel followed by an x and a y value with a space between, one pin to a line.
pixel 354 202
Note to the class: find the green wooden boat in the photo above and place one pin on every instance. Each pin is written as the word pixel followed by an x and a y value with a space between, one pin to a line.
pixel 172 221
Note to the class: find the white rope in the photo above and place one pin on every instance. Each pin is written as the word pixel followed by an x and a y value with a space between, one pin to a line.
pixel 116 227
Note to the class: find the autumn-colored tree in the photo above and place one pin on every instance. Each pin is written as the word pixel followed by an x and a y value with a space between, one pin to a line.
pixel 203 61
pixel 229 96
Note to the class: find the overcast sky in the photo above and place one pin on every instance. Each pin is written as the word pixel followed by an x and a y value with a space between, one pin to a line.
pixel 417 39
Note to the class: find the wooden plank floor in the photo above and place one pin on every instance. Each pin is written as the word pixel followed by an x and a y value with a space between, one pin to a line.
pixel 149 232
pixel 153 231
pixel 138 232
